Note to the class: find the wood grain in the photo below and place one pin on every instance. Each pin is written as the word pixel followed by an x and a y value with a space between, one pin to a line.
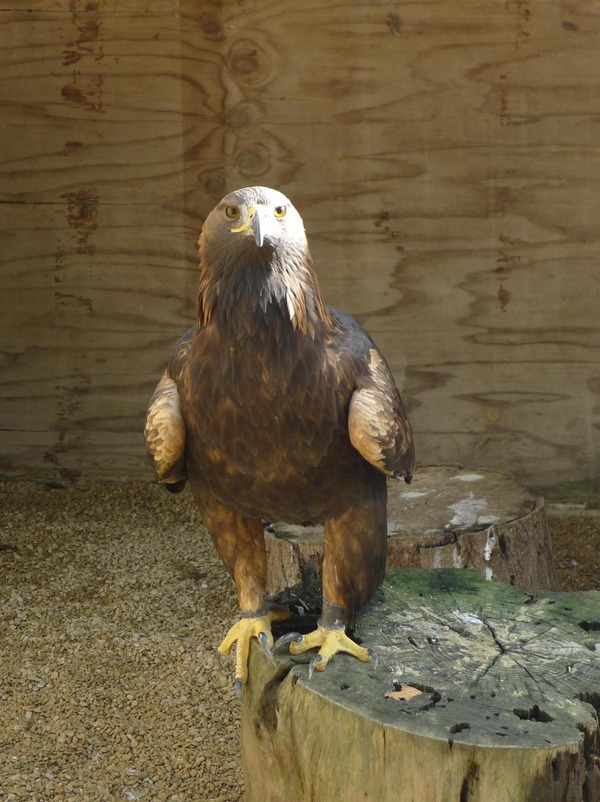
pixel 443 156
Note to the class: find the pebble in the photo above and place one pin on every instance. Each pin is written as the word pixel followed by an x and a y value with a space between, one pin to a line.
pixel 109 679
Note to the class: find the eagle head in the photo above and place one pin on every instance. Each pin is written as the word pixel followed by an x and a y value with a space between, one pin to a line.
pixel 262 214
pixel 254 257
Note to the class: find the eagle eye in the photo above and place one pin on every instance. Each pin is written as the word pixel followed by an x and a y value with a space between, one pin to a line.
pixel 280 211
pixel 232 212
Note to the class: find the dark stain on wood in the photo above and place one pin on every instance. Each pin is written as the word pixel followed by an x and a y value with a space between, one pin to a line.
pixel 504 297
pixel 85 92
pixel 72 147
pixel 87 21
pixel 394 23
pixel 82 208
pixel 73 302
pixel 471 778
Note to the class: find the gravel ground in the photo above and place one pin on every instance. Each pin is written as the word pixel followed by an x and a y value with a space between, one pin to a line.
pixel 576 548
pixel 113 602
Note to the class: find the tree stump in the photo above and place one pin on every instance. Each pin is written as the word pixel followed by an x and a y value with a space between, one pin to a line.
pixel 482 693
pixel 447 518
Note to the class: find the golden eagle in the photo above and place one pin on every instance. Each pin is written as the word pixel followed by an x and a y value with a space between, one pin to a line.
pixel 277 407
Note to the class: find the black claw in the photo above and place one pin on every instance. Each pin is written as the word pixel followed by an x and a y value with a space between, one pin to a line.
pixel 264 644
pixel 313 664
pixel 289 637
pixel 239 685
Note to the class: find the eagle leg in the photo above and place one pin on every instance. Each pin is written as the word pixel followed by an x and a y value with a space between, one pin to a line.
pixel 241 545
pixel 250 626
pixel 353 567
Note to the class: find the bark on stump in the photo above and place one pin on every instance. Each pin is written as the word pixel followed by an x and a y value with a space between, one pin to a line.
pixel 482 693
pixel 447 518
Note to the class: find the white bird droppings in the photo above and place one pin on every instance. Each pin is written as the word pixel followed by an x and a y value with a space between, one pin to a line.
pixel 467 510
pixel 415 493
pixel 467 618
pixel 490 545
pixel 488 519
pixel 468 477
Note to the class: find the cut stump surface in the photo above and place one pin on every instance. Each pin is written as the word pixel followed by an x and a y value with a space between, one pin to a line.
pixel 447 518
pixel 481 692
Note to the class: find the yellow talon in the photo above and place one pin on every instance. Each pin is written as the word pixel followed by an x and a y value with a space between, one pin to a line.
pixel 330 641
pixel 242 632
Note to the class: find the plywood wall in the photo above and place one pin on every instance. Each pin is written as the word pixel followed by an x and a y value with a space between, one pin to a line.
pixel 444 155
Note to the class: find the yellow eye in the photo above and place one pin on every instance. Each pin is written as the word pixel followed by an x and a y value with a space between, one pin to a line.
pixel 232 212
pixel 280 211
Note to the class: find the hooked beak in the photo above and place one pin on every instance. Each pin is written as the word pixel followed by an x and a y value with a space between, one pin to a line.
pixel 256 220
pixel 255 224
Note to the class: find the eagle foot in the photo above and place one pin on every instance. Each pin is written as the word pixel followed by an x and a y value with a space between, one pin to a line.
pixel 329 641
pixel 241 633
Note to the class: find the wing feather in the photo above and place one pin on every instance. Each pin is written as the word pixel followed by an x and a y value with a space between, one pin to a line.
pixel 378 425
pixel 165 435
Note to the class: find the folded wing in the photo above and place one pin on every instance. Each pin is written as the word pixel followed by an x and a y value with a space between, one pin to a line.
pixel 378 424
pixel 165 435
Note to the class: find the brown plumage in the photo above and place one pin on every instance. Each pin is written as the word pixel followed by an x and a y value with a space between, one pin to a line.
pixel 278 407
